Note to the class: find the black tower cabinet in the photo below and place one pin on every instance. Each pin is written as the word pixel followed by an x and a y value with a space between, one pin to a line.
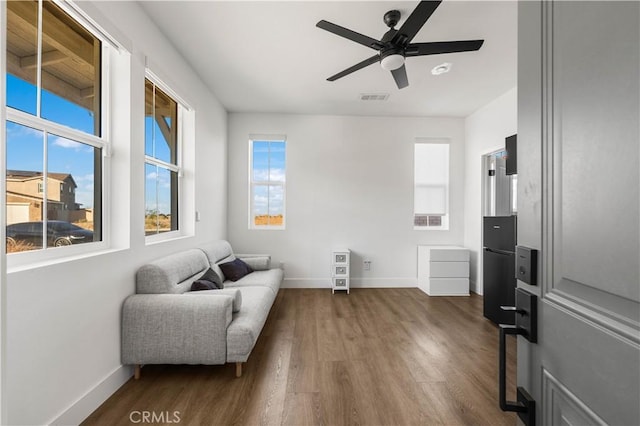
pixel 499 282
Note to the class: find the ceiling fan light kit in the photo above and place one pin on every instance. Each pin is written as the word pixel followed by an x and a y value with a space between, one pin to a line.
pixel 392 62
pixel 395 45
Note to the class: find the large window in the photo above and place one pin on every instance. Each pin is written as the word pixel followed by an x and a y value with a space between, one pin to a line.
pixel 267 183
pixel 162 162
pixel 54 137
pixel 431 185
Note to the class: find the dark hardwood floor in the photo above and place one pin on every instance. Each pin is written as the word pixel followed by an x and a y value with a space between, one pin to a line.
pixel 374 357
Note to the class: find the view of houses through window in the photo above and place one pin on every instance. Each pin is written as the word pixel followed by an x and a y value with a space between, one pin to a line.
pixel 54 148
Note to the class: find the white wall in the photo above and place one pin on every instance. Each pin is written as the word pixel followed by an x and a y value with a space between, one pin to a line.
pixel 63 319
pixel 485 131
pixel 349 184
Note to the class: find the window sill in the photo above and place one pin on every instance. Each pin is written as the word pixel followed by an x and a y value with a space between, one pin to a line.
pixel 166 237
pixel 25 262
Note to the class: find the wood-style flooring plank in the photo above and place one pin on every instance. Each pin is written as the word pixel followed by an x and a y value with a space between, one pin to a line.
pixel 374 357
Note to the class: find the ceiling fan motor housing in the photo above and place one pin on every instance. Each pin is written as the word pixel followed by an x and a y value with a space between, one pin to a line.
pixel 391 18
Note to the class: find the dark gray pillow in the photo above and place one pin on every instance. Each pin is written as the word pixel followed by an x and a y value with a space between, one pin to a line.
pixel 212 276
pixel 235 269
pixel 203 285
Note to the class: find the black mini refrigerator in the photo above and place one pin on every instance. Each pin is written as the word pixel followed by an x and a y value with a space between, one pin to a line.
pixel 499 241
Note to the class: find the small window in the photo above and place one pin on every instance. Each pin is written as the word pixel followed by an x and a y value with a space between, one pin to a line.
pixel 267 183
pixel 162 165
pixel 431 185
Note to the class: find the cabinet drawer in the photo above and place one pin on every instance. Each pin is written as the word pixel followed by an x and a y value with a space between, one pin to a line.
pixel 448 287
pixel 338 270
pixel 449 269
pixel 449 255
pixel 340 282
pixel 340 258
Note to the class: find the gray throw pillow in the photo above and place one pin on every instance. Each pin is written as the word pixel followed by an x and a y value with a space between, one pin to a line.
pixel 212 276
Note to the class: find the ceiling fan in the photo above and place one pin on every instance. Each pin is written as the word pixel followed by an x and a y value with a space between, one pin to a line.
pixel 396 45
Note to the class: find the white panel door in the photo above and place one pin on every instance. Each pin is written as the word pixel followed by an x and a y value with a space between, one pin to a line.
pixel 579 204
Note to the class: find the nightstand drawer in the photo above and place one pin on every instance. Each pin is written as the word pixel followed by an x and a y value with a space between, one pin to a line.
pixel 449 269
pixel 340 258
pixel 339 270
pixel 340 283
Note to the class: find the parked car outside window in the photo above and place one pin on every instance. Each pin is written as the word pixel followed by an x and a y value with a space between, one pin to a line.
pixel 28 235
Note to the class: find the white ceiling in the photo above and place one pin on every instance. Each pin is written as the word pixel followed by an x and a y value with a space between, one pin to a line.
pixel 268 56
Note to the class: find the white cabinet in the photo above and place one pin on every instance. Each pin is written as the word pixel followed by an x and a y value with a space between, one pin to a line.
pixel 443 270
pixel 340 259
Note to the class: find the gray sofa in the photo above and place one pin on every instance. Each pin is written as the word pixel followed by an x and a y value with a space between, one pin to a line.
pixel 166 323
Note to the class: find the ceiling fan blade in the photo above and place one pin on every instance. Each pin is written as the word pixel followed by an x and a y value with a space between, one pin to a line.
pixel 400 76
pixel 350 35
pixel 356 67
pixel 415 21
pixel 434 48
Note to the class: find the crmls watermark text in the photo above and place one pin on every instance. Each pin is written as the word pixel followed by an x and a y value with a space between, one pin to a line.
pixel 154 417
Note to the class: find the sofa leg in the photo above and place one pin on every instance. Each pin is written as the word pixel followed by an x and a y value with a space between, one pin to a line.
pixel 136 372
pixel 238 369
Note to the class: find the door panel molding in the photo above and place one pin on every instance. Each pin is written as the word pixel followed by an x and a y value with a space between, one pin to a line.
pixel 607 321
pixel 603 296
pixel 562 407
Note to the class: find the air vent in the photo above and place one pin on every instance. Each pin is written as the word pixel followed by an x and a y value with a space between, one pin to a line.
pixel 374 96
pixel 427 220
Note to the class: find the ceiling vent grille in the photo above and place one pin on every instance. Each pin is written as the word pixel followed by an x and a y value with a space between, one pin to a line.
pixel 374 96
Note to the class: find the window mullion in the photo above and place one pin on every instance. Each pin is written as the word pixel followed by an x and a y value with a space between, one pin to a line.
pixel 39 61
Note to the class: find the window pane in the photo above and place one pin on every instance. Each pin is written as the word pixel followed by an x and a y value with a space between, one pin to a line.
pixel 276 205
pixel 148 119
pixel 22 46
pixel 276 162
pixel 70 72
pixel 161 200
pixel 161 113
pixel 260 212
pixel 260 158
pixel 73 190
pixel 25 153
pixel 268 205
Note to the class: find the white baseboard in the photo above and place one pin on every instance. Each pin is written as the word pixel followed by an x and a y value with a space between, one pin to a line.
pixel 83 407
pixel 386 282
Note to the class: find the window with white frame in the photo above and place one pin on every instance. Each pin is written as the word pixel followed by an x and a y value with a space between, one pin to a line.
pixel 54 128
pixel 431 184
pixel 162 159
pixel 267 160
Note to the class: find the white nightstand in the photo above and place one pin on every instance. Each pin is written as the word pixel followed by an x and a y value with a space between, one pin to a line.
pixel 340 259
pixel 443 270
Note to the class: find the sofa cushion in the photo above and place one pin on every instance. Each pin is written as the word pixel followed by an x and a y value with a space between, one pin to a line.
pixel 235 269
pixel 218 252
pixel 271 278
pixel 234 293
pixel 257 262
pixel 171 274
pixel 246 325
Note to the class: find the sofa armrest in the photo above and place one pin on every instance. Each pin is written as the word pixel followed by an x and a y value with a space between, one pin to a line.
pixel 175 329
pixel 258 262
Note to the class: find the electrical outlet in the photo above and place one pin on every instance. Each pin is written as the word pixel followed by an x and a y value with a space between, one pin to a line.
pixel 367 265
